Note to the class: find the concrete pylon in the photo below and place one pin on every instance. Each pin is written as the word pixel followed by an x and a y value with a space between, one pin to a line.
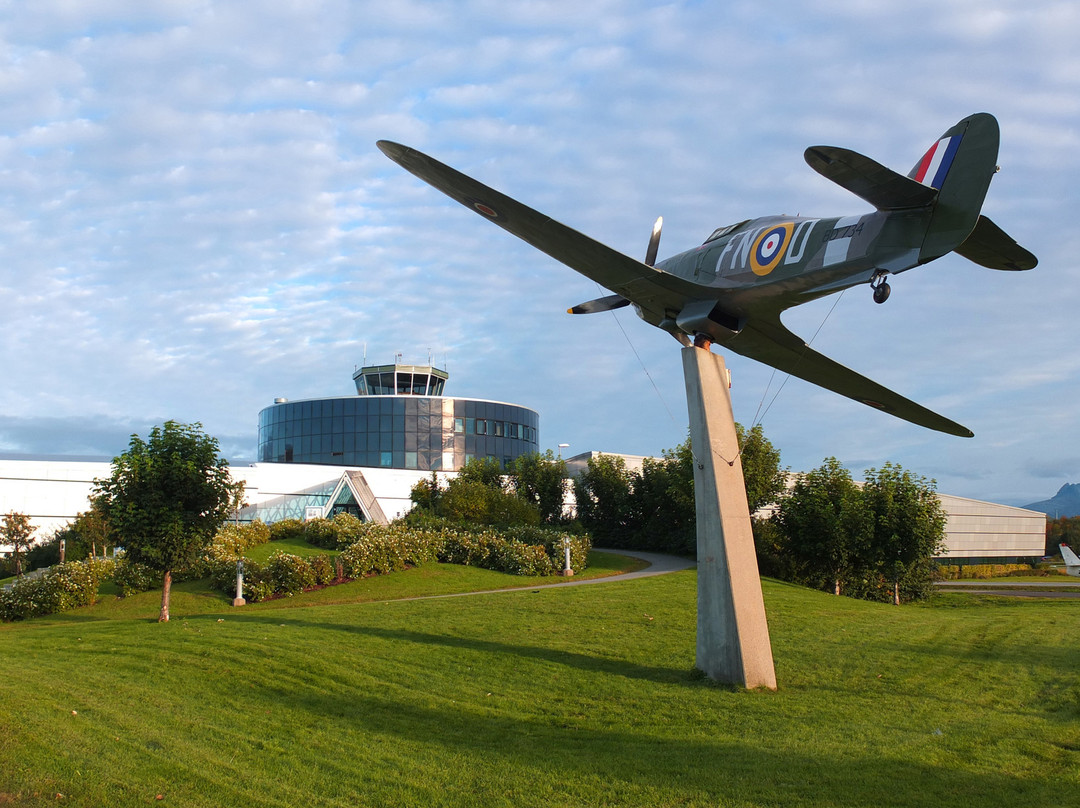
pixel 732 632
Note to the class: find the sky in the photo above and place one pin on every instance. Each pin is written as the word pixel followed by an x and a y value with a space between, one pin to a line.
pixel 195 219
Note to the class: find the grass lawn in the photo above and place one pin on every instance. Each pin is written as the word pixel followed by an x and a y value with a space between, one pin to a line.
pixel 548 696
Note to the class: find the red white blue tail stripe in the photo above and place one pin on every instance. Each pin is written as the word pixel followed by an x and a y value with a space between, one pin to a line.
pixel 935 164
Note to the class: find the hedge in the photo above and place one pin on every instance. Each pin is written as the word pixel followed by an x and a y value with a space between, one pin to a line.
pixel 62 587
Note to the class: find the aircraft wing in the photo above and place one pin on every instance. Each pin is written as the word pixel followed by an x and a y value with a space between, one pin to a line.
pixel 763 337
pixel 768 341
pixel 646 286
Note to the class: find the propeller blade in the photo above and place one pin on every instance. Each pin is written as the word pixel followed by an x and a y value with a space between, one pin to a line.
pixel 600 304
pixel 654 241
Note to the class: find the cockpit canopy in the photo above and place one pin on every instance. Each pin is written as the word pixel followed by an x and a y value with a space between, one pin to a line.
pixel 720 232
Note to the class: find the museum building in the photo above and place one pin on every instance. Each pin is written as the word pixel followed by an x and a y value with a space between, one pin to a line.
pixel 398 419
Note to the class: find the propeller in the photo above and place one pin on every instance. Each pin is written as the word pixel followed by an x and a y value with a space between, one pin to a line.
pixel 618 301
pixel 654 241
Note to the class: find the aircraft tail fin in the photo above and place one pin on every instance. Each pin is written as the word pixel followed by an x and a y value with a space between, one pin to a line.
pixel 960 165
pixel 1068 556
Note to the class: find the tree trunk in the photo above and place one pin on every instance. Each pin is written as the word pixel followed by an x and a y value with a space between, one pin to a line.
pixel 896 593
pixel 836 586
pixel 165 589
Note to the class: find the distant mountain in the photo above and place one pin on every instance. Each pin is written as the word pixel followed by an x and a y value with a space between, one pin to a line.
pixel 1066 502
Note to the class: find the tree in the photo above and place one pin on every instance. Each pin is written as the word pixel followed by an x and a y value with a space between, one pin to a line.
pixel 824 526
pixel 19 533
pixel 93 530
pixel 908 527
pixel 540 479
pixel 166 498
pixel 765 479
pixel 662 502
pixel 602 492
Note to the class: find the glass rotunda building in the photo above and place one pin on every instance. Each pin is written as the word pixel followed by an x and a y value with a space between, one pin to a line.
pixel 398 419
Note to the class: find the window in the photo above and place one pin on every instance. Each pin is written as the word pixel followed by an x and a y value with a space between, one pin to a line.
pixel 481 426
pixel 459 425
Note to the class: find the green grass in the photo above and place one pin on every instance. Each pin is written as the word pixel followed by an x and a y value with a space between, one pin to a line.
pixel 295 546
pixel 571 696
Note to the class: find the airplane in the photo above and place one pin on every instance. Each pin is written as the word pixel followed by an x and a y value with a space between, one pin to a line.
pixel 1072 562
pixel 732 289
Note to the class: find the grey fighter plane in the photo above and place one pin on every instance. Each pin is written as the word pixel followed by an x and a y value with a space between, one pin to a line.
pixel 733 288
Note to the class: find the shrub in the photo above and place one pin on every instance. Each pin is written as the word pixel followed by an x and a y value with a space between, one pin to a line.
pixel 322 533
pixel 132 577
pixel 287 529
pixel 65 586
pixel 288 574
pixel 235 539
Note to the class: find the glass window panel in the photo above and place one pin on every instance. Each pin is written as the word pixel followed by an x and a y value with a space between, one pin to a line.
pixel 338 405
pixel 423 423
pixel 404 383
pixel 410 442
pixel 349 424
pixel 499 426
pixel 386 423
pixel 338 424
pixel 386 459
pixel 372 423
pixel 399 460
pixel 481 426
pixel 399 441
pixel 459 425
pixel 386 441
pixel 397 406
pixel 371 443
pixel 470 426
pixel 337 443
pixel 410 460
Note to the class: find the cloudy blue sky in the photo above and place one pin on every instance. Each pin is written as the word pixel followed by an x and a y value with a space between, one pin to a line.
pixel 194 218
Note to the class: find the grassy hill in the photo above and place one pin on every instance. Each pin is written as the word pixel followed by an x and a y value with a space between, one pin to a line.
pixel 576 696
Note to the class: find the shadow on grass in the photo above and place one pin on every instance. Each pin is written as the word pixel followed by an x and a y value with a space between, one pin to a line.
pixel 567 658
pixel 621 764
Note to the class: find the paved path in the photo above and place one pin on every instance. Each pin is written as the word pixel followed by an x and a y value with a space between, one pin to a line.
pixel 659 564
pixel 994 583
pixel 1056 590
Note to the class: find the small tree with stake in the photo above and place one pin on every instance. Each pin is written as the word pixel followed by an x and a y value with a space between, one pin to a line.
pixel 19 533
pixel 166 498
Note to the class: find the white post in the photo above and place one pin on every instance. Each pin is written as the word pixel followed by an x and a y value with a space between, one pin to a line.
pixel 566 546
pixel 239 599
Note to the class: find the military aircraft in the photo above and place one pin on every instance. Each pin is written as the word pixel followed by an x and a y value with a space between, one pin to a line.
pixel 733 288
pixel 1072 562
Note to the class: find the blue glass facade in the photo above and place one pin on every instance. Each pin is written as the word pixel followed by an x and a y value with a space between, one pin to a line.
pixel 426 433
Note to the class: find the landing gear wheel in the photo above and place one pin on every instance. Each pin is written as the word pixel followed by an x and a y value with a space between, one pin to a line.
pixel 881 292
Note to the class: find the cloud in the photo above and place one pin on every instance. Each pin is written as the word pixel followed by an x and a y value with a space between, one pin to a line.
pixel 194 218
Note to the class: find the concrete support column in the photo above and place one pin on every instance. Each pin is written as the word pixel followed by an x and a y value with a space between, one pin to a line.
pixel 732 632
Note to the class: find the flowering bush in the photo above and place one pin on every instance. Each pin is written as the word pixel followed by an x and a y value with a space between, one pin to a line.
pixel 289 574
pixel 64 586
pixel 132 577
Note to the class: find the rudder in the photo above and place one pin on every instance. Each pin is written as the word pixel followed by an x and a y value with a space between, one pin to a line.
pixel 960 165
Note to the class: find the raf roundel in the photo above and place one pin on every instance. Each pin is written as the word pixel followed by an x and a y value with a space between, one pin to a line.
pixel 484 209
pixel 769 248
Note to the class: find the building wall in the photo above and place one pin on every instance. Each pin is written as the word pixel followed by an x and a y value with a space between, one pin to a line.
pixel 978 529
pixel 402 432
